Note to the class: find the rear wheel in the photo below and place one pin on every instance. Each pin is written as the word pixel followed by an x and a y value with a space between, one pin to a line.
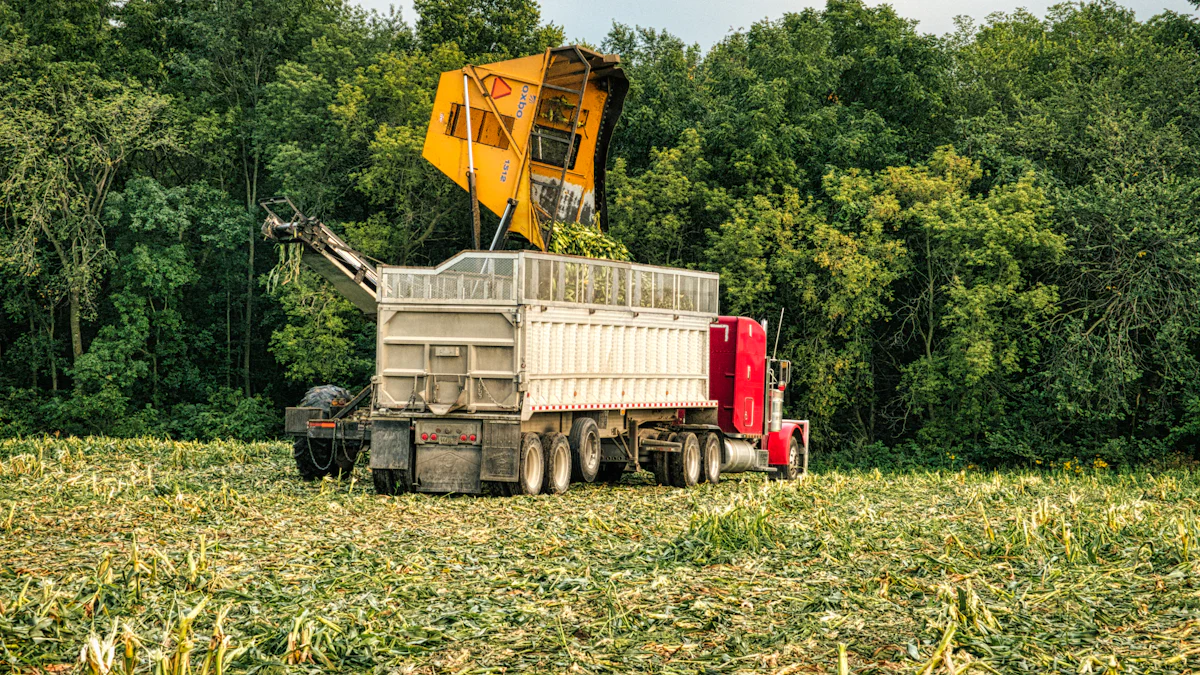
pixel 313 457
pixel 660 464
pixel 585 450
pixel 710 458
pixel 556 450
pixel 529 478
pixel 683 467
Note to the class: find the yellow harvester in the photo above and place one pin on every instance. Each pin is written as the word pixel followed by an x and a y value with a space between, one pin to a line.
pixel 535 134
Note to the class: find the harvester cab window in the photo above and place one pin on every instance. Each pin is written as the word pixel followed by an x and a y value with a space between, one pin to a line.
pixel 549 146
pixel 486 127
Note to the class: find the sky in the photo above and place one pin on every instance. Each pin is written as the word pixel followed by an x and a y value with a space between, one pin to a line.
pixel 707 21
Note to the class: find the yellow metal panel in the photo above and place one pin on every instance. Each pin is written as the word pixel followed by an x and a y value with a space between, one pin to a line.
pixel 520 131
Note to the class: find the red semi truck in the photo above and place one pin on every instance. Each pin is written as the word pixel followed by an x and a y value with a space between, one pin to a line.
pixel 748 388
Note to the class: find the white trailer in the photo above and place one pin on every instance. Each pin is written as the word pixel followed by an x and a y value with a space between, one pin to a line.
pixel 486 353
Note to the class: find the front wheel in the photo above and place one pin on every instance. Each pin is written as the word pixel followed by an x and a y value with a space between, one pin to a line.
pixel 313 457
pixel 797 464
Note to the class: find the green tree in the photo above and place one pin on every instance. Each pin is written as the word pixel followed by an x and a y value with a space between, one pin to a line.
pixel 65 134
pixel 499 29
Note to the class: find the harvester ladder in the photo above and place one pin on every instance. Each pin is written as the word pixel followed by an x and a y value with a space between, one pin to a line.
pixel 562 178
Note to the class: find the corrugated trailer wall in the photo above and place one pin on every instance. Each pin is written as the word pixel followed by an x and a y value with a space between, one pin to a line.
pixel 577 360
pixel 583 334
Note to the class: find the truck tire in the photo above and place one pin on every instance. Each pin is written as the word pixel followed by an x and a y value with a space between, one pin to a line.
pixel 585 450
pixel 683 467
pixel 660 464
pixel 710 458
pixel 532 470
pixel 313 457
pixel 611 472
pixel 389 481
pixel 323 396
pixel 797 464
pixel 556 450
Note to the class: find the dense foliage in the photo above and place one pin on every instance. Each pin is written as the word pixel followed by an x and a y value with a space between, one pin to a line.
pixel 985 243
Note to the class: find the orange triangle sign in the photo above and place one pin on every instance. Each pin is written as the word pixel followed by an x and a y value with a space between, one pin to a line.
pixel 500 88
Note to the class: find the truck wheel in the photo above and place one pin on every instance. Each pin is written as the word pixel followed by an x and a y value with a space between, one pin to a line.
pixel 585 450
pixel 389 481
pixel 660 465
pixel 611 472
pixel 313 457
pixel 529 479
pixel 323 397
pixel 797 462
pixel 556 450
pixel 683 467
pixel 710 458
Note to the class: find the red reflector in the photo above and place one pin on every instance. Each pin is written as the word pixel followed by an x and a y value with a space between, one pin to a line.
pixel 322 424
pixel 433 437
pixel 463 437
pixel 424 437
pixel 472 436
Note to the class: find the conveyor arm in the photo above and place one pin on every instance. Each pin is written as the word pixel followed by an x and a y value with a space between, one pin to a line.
pixel 350 272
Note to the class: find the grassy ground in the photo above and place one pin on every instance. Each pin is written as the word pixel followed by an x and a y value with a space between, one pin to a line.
pixel 143 545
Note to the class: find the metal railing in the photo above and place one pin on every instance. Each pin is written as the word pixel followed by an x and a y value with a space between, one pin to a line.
pixel 512 277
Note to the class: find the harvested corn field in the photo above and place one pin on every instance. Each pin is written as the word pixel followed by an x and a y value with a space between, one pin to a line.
pixel 151 556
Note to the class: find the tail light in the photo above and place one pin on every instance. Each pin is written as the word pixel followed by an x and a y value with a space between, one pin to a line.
pixel 472 437
pixel 463 437
pixel 425 437
pixel 433 437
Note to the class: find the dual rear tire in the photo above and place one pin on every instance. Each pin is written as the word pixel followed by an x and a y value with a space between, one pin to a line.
pixel 556 451
pixel 683 467
pixel 710 458
pixel 549 462
pixel 545 466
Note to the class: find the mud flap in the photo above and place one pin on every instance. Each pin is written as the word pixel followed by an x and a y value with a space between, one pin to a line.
pixel 448 469
pixel 391 445
pixel 501 452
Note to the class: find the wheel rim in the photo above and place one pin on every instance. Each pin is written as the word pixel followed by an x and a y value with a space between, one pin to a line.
pixel 591 451
pixel 794 459
pixel 691 463
pixel 532 470
pixel 712 461
pixel 562 465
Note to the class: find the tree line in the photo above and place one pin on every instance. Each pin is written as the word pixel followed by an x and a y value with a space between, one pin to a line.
pixel 986 244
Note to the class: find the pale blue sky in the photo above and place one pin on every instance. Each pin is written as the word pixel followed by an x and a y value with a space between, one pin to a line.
pixel 707 21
